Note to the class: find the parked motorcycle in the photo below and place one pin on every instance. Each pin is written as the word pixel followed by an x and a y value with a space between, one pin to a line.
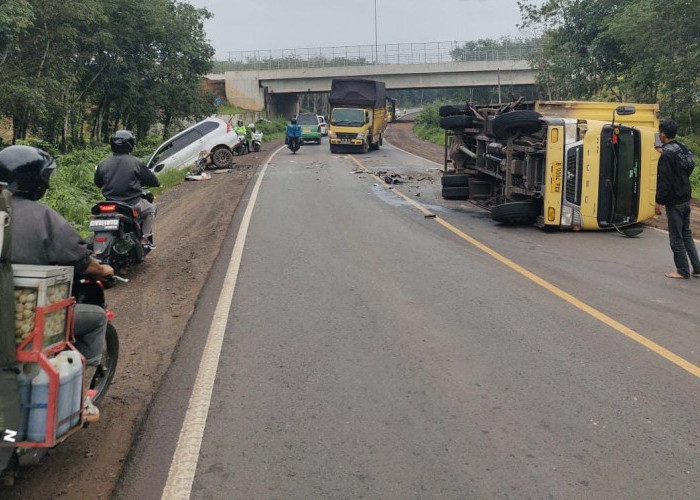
pixel 242 147
pixel 256 141
pixel 118 238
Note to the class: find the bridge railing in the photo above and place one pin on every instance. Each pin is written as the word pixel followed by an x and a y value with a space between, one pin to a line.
pixel 360 55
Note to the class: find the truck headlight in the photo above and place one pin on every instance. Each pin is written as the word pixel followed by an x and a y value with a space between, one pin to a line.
pixel 362 136
pixel 567 215
pixel 332 135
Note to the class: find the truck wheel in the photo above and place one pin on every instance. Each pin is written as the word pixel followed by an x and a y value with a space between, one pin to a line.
pixel 515 213
pixel 455 180
pixel 454 109
pixel 222 157
pixel 520 122
pixel 455 193
pixel 456 122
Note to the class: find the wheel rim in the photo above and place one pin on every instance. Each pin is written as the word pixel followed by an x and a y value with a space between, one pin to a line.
pixel 221 157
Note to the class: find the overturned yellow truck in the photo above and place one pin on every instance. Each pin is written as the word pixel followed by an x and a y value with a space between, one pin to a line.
pixel 561 165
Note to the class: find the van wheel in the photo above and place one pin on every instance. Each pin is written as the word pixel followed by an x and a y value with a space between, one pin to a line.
pixel 522 122
pixel 222 157
pixel 517 213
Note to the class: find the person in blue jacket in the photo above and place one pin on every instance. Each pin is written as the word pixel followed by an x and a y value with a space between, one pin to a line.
pixel 292 136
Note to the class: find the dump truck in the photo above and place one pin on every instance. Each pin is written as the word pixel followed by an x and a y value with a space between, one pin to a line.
pixel 358 115
pixel 561 165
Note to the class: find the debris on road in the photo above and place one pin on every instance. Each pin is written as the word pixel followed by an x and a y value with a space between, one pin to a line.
pixel 393 178
pixel 198 177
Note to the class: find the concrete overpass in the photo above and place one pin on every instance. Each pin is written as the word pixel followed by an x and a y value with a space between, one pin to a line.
pixel 259 86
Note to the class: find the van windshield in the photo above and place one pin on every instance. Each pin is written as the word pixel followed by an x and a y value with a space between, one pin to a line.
pixel 307 120
pixel 619 175
pixel 348 117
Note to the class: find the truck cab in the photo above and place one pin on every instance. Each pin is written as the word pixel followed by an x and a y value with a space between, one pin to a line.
pixel 358 115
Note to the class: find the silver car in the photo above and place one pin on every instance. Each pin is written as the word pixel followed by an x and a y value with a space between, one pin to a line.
pixel 212 135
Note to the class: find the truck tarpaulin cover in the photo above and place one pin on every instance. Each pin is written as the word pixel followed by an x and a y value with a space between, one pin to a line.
pixel 357 92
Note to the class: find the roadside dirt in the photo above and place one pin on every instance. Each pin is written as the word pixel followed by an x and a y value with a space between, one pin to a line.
pixel 400 134
pixel 152 312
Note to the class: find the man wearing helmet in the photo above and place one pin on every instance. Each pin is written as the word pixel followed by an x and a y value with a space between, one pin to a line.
pixel 40 236
pixel 293 132
pixel 122 178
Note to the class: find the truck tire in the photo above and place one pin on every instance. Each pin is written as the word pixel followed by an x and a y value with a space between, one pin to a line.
pixel 516 213
pixel 455 180
pixel 454 109
pixel 456 122
pixel 520 122
pixel 455 193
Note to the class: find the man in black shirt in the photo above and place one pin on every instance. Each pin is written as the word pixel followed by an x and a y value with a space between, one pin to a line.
pixel 674 191
pixel 122 178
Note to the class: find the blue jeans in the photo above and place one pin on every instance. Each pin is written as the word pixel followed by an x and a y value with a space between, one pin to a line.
pixel 90 327
pixel 681 238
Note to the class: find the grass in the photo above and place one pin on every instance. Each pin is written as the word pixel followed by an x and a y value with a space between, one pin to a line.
pixel 429 133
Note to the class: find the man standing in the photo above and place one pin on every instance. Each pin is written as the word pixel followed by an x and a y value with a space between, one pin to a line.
pixel 674 191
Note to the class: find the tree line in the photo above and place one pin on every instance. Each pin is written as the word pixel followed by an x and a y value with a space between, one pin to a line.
pixel 621 50
pixel 72 72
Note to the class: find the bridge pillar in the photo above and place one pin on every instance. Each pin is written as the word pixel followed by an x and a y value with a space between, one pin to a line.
pixel 243 90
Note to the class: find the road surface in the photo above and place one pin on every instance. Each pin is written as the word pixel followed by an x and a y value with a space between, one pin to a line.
pixel 371 351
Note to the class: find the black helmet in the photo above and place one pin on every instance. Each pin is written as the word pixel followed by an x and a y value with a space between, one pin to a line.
pixel 294 120
pixel 122 142
pixel 26 170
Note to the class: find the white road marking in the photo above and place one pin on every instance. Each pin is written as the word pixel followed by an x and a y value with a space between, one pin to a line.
pixel 184 463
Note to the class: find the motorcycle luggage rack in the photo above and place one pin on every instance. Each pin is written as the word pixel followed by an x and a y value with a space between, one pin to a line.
pixel 32 350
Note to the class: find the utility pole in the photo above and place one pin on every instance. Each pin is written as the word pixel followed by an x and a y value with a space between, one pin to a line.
pixel 376 45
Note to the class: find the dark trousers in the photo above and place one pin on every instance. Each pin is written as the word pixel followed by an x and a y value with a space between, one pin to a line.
pixel 681 238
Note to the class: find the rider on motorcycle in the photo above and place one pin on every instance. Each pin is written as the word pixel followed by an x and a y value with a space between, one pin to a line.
pixel 122 178
pixel 293 133
pixel 40 236
pixel 242 131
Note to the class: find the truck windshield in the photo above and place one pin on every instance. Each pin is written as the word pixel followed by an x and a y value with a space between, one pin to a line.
pixel 348 117
pixel 619 175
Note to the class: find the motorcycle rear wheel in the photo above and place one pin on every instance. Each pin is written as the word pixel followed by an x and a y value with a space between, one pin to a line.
pixel 104 374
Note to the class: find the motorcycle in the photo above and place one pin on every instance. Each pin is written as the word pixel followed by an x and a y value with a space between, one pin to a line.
pixel 256 141
pixel 95 383
pixel 118 238
pixel 242 147
pixel 294 143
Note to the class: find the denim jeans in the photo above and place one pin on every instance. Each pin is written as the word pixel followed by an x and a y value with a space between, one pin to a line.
pixel 681 238
pixel 90 327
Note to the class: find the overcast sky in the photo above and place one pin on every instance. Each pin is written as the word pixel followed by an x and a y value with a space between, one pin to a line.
pixel 289 24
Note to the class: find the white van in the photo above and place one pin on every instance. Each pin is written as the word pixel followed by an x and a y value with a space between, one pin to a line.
pixel 182 150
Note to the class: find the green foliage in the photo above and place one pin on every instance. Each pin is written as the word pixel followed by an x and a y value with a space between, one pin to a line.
pixel 623 50
pixel 427 125
pixel 72 72
pixel 170 178
pixel 272 129
pixel 73 191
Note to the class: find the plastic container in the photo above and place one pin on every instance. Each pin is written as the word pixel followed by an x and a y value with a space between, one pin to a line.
pixel 75 363
pixel 36 426
pixel 24 382
pixel 37 286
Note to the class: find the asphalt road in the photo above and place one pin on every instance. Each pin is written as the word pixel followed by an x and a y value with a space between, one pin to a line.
pixel 372 352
